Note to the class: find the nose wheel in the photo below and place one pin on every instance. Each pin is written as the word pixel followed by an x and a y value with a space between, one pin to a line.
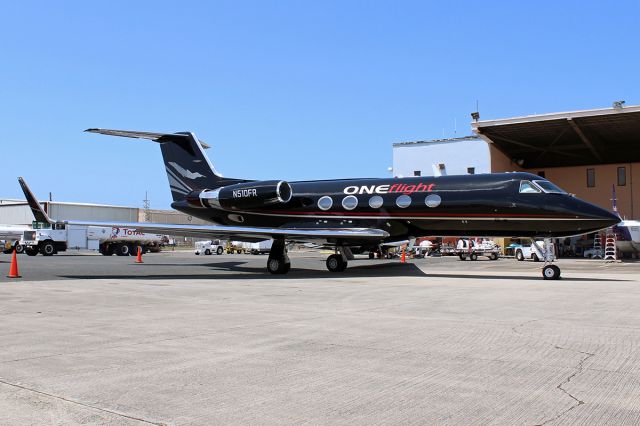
pixel 551 272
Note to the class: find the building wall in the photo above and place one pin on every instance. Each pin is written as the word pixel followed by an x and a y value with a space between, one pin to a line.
pixel 500 162
pixel 91 212
pixel 574 180
pixel 15 214
pixel 21 214
pixel 457 157
pixel 171 216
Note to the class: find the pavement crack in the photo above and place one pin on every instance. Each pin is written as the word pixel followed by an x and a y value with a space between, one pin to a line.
pixel 83 404
pixel 522 324
pixel 578 369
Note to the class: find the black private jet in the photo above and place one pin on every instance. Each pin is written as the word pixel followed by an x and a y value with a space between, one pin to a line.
pixel 362 213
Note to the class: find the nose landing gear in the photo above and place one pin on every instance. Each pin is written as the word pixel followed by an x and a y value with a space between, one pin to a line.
pixel 549 271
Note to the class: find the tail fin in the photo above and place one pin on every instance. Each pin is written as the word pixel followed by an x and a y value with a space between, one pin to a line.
pixel 188 168
pixel 36 208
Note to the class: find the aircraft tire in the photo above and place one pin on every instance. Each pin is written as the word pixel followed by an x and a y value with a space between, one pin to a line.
pixel 277 265
pixel 551 272
pixel 519 256
pixel 335 263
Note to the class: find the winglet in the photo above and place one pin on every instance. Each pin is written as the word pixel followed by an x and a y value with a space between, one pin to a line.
pixel 36 208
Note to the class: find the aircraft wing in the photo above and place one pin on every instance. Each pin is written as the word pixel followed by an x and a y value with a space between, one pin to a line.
pixel 250 234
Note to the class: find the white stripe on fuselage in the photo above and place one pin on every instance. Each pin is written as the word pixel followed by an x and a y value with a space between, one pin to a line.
pixel 409 217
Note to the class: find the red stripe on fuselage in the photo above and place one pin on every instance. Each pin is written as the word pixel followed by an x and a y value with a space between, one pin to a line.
pixel 356 214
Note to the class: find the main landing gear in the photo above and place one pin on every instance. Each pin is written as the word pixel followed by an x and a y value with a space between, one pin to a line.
pixel 338 261
pixel 335 263
pixel 278 262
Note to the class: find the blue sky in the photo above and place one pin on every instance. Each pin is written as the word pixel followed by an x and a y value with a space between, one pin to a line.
pixel 285 90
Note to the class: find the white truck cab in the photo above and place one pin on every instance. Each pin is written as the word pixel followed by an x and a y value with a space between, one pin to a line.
pixel 209 247
pixel 45 238
pixel 534 252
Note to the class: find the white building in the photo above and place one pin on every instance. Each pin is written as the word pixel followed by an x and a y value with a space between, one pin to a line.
pixel 460 156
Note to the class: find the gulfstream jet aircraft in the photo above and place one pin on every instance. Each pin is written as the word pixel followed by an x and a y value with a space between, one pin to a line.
pixel 363 213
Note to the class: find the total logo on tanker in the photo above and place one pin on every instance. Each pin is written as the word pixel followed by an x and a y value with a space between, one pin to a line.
pixel 124 232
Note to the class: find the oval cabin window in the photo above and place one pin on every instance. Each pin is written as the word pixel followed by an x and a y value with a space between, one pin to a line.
pixel 375 202
pixel 350 202
pixel 432 200
pixel 325 203
pixel 403 201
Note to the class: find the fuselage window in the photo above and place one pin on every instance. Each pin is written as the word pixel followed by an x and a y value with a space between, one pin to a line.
pixel 527 187
pixel 375 202
pixel 325 203
pixel 403 201
pixel 432 200
pixel 350 202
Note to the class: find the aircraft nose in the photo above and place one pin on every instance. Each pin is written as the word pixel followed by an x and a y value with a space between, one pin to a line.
pixel 598 217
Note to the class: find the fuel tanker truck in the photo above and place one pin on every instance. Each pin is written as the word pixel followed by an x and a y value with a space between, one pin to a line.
pixel 49 239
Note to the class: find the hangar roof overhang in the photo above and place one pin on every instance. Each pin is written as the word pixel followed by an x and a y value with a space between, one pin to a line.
pixel 576 138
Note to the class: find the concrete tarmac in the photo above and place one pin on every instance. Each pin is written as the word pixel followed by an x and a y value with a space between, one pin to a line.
pixel 184 339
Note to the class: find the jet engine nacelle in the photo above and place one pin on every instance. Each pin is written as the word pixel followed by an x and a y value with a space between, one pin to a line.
pixel 244 196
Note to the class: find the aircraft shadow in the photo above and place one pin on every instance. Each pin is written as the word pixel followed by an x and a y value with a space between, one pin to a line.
pixel 238 270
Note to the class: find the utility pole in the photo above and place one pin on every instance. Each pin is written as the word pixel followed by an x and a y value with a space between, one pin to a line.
pixel 146 205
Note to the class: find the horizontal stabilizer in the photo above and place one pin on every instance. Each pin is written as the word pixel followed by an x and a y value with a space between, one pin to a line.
pixel 157 137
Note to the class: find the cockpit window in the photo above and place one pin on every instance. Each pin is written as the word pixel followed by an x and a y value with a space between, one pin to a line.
pixel 526 187
pixel 549 187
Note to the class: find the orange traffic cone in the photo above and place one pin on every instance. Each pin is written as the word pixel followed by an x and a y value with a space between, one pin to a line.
pixel 403 258
pixel 13 270
pixel 139 256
